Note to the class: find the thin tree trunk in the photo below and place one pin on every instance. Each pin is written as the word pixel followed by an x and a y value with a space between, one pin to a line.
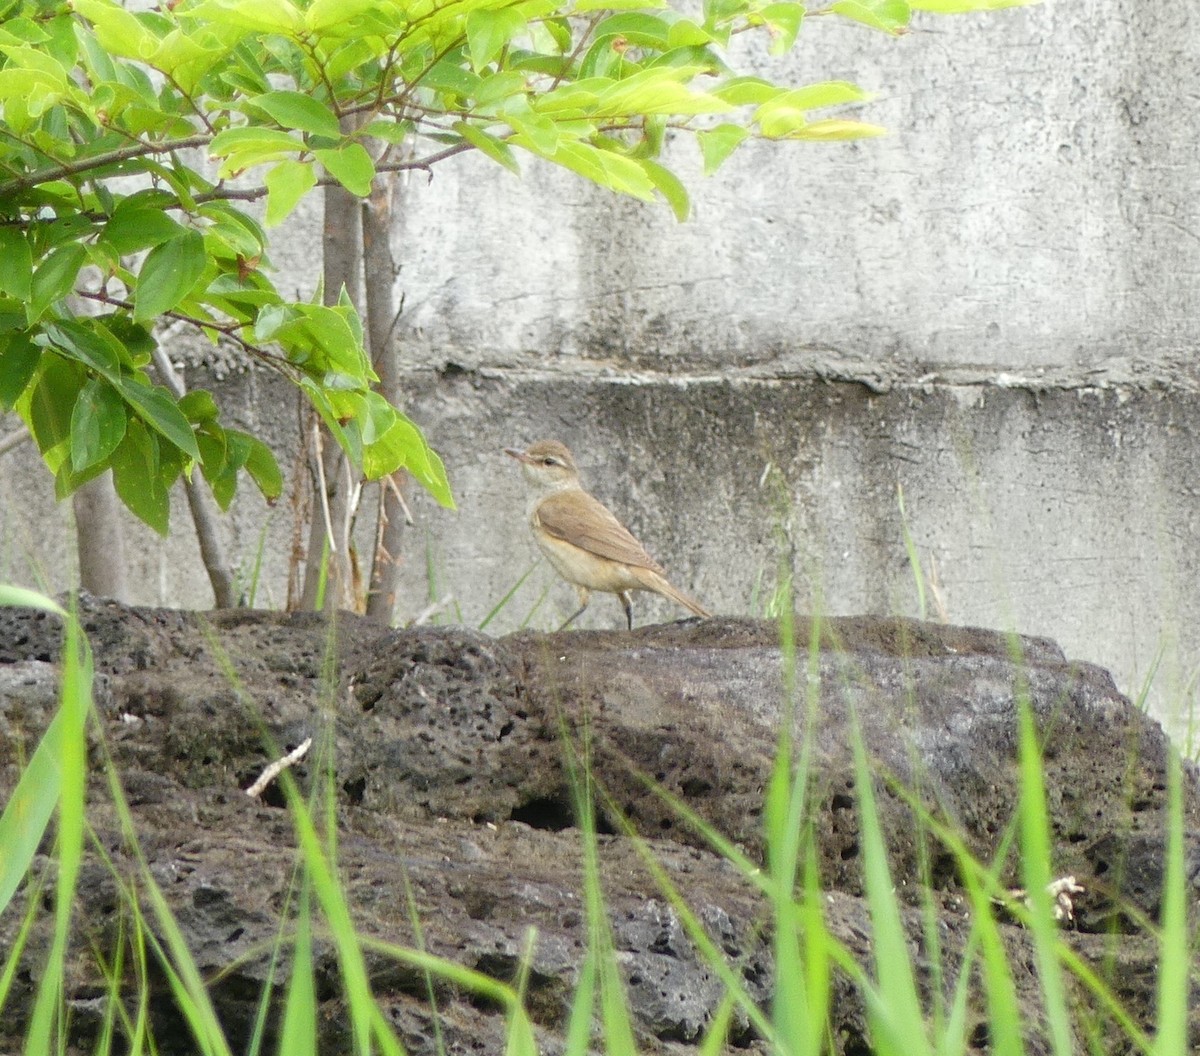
pixel 100 539
pixel 382 312
pixel 334 479
pixel 204 509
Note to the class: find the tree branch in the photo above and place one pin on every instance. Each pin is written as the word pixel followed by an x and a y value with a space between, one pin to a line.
pixel 204 509
pixel 98 161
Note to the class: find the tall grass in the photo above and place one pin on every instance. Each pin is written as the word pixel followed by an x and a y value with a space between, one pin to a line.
pixel 905 1018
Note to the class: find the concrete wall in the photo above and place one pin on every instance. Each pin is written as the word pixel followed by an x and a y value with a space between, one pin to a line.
pixel 994 307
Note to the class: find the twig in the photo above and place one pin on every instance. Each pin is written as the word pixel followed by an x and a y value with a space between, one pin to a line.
pixel 277 767
pixel 202 505
pixel 430 611
pixel 394 488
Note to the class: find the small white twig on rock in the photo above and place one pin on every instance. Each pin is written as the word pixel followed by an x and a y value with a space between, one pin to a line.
pixel 430 611
pixel 1061 891
pixel 277 767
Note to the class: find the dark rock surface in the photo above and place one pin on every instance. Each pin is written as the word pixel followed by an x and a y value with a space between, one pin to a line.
pixel 448 757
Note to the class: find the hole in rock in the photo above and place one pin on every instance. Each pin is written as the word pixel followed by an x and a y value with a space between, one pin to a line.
pixel 545 812
pixel 355 790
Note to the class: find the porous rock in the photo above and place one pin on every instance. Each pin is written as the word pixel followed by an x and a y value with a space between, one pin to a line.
pixel 450 753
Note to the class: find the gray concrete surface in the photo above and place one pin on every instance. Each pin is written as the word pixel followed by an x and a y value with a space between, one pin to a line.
pixel 994 307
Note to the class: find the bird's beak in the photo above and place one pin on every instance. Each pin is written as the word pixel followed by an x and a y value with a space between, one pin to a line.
pixel 520 456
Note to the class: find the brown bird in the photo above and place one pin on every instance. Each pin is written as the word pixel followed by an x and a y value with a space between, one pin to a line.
pixel 585 543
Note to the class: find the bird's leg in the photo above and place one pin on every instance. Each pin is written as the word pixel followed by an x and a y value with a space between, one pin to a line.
pixel 627 604
pixel 584 597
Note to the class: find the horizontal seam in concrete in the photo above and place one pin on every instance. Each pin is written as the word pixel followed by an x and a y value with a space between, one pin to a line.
pixel 1127 378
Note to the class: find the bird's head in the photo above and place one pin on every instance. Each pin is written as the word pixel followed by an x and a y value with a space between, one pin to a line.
pixel 547 465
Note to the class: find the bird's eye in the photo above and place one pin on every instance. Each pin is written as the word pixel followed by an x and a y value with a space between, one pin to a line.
pixel 548 461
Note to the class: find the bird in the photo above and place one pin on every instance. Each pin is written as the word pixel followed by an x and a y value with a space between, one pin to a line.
pixel 585 543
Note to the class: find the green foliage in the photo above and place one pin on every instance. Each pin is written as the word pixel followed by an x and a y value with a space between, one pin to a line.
pixel 123 129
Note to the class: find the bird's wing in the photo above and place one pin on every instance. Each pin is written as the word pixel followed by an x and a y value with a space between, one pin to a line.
pixel 578 518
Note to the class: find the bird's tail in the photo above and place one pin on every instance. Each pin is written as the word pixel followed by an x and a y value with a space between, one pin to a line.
pixel 653 581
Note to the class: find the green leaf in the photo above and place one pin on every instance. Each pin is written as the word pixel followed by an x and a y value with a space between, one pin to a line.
pixel 244 147
pixel 837 128
pixel 287 183
pixel 259 16
pixel 97 425
pixel 448 76
pixel 488 31
pixel 890 16
pixel 718 143
pixel 670 187
pixel 158 409
pixel 261 465
pixel 395 442
pixel 299 111
pixel 119 32
pixel 606 168
pixel 55 278
pixel 330 15
pixel 91 344
pixel 646 31
pixel 138 477
pixel 138 226
pixel 581 6
pixel 826 93
pixel 324 342
pixel 51 400
pixel 743 91
pixel 198 406
pixel 16 274
pixel 494 148
pixel 319 397
pixel 219 467
pixel 784 19
pixel 497 87
pixel 19 359
pixel 351 166
pixel 777 120
pixel 168 274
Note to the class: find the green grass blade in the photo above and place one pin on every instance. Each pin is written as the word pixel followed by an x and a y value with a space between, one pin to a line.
pixel 1036 873
pixel 298 1035
pixel 914 558
pixel 414 919
pixel 898 1022
pixel 256 571
pixel 500 606
pixel 713 1042
pixel 332 899
pixel 615 1019
pixel 1175 961
pixel 74 704
pixel 583 1006
pixel 29 809
pixel 520 1040
pixel 709 951
pixel 174 956
pixel 13 956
